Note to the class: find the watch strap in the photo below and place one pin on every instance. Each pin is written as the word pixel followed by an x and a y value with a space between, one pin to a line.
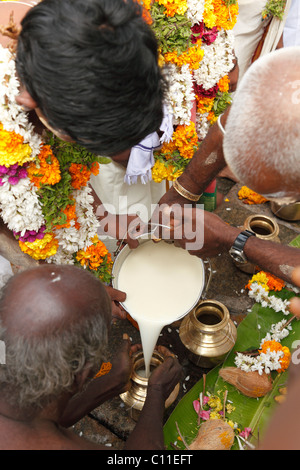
pixel 241 239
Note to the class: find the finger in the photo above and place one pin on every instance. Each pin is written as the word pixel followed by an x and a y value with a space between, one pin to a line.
pixel 116 294
pixel 295 306
pixel 126 343
pixel 296 276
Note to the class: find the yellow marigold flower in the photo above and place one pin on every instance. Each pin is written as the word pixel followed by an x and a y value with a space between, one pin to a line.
pixel 94 255
pixel 261 278
pixel 48 171
pixel 161 172
pixel 225 15
pixel 209 16
pixel 40 249
pixel 12 149
pixel 174 7
pixel 186 140
pixel 192 57
pixel 250 197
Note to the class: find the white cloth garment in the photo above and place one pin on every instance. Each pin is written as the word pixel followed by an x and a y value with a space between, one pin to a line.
pixel 5 271
pixel 291 33
pixel 120 198
pixel 131 190
pixel 249 30
pixel 141 159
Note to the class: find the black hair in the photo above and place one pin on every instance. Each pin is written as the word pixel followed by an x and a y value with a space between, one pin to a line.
pixel 92 67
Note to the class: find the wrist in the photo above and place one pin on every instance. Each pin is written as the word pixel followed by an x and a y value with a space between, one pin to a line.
pixel 229 237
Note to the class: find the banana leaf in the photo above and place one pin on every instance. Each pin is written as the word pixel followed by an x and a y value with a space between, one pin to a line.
pixel 182 426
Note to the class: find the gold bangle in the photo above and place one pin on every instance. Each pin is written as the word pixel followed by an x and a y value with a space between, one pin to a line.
pixel 185 193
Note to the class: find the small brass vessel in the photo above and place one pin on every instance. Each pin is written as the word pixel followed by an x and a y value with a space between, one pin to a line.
pixel 208 333
pixel 289 212
pixel 264 227
pixel 135 397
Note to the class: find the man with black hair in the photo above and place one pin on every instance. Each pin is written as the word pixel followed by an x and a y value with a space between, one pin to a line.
pixel 90 70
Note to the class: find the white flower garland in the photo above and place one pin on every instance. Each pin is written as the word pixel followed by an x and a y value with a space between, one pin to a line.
pixel 195 11
pixel 218 60
pixel 260 295
pixel 180 96
pixel 270 361
pixel 19 203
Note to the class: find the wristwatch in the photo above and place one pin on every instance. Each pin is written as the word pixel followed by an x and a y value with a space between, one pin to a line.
pixel 237 250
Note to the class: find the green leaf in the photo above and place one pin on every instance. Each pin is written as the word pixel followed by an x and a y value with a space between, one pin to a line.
pixel 248 412
pixel 296 242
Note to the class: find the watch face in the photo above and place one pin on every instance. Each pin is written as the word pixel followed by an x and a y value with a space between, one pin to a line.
pixel 238 256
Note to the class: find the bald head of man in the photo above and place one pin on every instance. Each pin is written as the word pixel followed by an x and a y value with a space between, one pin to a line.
pixel 262 139
pixel 54 322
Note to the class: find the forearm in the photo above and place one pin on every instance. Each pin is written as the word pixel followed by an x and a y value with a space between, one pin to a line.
pixel 273 257
pixel 148 432
pixel 98 391
pixel 207 162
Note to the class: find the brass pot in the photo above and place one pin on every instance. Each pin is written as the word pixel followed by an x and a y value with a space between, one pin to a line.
pixel 289 212
pixel 264 227
pixel 136 396
pixel 208 333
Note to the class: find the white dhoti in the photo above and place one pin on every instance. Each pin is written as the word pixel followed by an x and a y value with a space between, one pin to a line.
pixel 291 33
pixel 249 30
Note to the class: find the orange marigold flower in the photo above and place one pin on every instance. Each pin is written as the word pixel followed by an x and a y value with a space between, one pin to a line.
pixel 204 104
pixel 275 346
pixel 70 212
pixel 80 175
pixel 95 168
pixel 94 255
pixel 224 84
pixel 274 282
pixel 48 171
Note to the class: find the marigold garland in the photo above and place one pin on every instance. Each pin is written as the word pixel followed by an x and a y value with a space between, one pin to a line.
pixel 248 196
pixel 196 45
pixel 44 194
pixel 46 169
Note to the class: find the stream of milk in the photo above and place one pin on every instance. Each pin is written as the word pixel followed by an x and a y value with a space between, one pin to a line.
pixel 162 283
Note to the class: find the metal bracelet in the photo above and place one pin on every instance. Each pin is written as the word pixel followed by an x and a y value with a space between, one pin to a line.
pixel 185 193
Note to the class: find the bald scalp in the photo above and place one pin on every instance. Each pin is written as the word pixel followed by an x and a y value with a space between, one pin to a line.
pixel 51 298
pixel 261 144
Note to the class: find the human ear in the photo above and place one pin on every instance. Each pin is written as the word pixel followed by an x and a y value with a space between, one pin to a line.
pixel 25 100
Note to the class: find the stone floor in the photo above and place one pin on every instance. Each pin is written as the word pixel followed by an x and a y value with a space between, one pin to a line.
pixel 110 424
